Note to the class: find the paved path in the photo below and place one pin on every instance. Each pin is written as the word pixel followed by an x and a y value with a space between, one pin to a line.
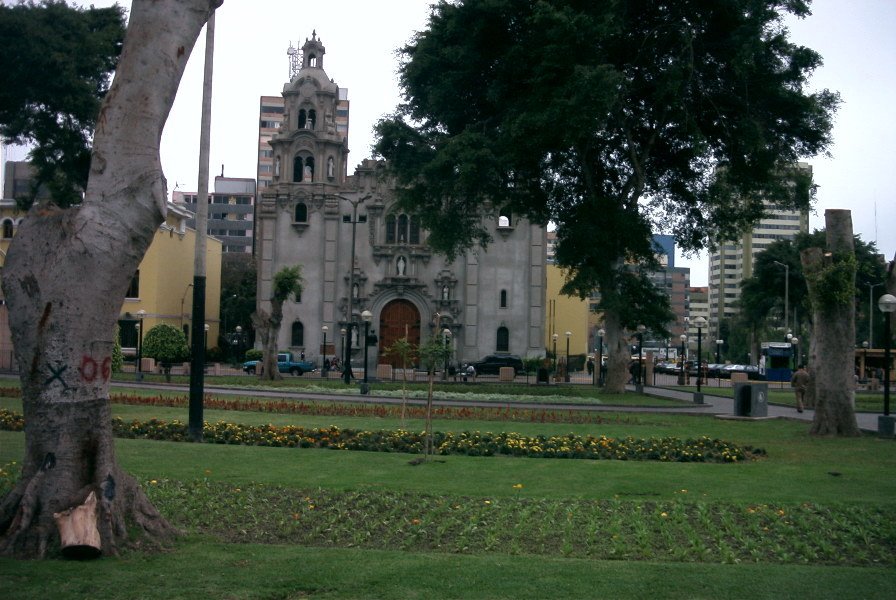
pixel 712 404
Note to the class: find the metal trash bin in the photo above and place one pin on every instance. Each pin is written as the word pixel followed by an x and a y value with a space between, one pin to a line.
pixel 750 399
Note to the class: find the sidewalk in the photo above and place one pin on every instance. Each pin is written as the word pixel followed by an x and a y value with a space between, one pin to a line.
pixel 724 406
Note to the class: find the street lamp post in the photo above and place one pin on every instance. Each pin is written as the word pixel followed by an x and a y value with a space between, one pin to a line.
pixel 789 337
pixel 366 316
pixel 566 370
pixel 682 374
pixel 446 337
pixel 885 423
pixel 205 328
pixel 343 331
pixel 600 357
pixel 700 322
pixel 554 337
pixel 796 352
pixel 639 382
pixel 864 360
pixel 140 315
pixel 325 367
pixel 786 292
pixel 719 359
pixel 239 343
pixel 350 317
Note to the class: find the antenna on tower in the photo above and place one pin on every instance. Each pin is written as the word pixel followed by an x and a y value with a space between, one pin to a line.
pixel 294 61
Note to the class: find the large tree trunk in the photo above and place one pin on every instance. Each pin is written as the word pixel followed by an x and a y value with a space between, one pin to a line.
pixel 618 354
pixel 62 328
pixel 830 276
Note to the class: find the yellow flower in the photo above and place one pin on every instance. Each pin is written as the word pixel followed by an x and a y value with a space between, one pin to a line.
pixel 518 486
pixel 415 521
pixel 488 501
pixel 664 515
pixel 153 482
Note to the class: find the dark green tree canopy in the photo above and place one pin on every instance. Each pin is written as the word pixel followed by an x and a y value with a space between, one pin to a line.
pixel 763 294
pixel 624 118
pixel 56 66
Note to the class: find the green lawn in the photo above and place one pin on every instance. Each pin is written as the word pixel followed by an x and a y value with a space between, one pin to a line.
pixel 809 520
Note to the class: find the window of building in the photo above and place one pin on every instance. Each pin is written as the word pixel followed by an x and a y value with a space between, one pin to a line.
pixel 402 229
pixel 134 287
pixel 301 213
pixel 503 341
pixel 7 228
pixel 298 334
pixel 390 229
pixel 503 298
pixel 505 218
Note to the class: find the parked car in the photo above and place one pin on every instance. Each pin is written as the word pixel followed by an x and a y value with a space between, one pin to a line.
pixel 285 364
pixel 491 364
pixel 752 371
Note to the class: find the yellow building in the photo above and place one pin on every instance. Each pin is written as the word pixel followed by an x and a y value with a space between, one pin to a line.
pixel 564 313
pixel 161 288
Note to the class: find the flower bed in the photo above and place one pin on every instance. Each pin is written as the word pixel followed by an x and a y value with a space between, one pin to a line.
pixel 475 443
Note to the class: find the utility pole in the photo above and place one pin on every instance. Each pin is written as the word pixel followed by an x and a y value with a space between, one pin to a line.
pixel 197 331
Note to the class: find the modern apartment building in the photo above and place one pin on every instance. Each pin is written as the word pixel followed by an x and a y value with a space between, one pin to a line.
pixel 230 212
pixel 733 260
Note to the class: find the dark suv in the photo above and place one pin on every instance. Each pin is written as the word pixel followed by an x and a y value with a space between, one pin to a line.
pixel 491 364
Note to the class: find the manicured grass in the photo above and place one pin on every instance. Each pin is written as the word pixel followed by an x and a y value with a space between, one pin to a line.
pixel 522 527
pixel 200 568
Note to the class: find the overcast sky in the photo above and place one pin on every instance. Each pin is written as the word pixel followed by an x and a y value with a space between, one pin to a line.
pixel 855 38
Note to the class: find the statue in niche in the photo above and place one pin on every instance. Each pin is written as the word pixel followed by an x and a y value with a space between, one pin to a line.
pixel 445 292
pixel 355 291
pixel 277 167
pixel 400 265
pixel 331 167
pixel 307 173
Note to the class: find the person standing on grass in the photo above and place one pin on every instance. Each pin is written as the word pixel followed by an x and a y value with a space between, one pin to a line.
pixel 800 383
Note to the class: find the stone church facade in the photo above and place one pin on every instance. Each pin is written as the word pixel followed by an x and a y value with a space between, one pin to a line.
pixel 360 255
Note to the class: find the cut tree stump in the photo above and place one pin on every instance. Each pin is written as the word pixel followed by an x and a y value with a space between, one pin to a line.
pixel 77 530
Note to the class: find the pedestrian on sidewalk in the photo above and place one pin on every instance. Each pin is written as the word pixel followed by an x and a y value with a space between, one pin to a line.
pixel 800 383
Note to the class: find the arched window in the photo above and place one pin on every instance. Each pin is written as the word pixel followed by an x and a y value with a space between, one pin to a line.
pixel 297 164
pixel 301 213
pixel 503 341
pixel 503 298
pixel 298 334
pixel 402 229
pixel 7 228
pixel 414 235
pixel 302 118
pixel 390 229
pixel 312 118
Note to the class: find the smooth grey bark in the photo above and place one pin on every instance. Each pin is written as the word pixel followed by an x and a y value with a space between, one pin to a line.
pixel 62 327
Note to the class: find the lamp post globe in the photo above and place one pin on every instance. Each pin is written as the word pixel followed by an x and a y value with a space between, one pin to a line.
pixel 887 304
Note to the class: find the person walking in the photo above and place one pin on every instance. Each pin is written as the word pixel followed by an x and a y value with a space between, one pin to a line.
pixel 800 383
